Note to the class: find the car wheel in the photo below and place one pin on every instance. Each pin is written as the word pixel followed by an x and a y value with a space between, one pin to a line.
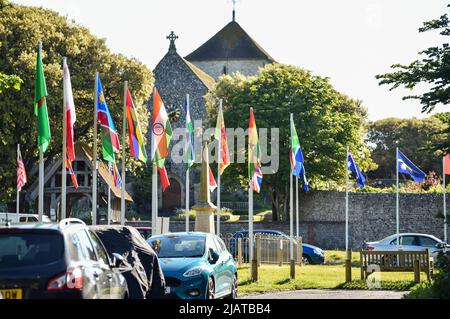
pixel 211 293
pixel 234 289
pixel 306 260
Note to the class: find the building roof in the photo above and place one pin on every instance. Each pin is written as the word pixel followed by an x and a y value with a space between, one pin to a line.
pixel 230 43
pixel 206 79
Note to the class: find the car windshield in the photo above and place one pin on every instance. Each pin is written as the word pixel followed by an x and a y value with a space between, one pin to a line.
pixel 178 246
pixel 26 250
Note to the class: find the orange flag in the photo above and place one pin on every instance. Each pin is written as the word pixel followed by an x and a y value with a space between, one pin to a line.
pixel 447 165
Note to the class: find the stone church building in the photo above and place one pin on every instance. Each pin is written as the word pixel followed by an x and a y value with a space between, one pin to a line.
pixel 229 51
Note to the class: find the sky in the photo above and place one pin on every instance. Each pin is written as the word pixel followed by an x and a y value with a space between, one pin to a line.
pixel 348 41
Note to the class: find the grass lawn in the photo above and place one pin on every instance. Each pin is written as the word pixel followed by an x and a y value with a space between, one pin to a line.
pixel 330 276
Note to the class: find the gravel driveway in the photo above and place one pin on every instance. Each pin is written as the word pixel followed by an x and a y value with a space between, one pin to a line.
pixel 329 294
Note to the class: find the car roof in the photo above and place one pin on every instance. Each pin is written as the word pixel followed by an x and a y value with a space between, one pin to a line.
pixel 413 234
pixel 198 234
pixel 41 226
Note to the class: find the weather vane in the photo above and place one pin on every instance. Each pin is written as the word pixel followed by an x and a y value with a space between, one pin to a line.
pixel 234 2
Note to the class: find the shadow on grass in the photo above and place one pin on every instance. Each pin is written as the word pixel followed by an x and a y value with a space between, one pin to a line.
pixel 283 282
pixel 245 282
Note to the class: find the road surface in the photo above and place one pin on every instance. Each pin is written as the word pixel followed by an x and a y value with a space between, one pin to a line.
pixel 328 294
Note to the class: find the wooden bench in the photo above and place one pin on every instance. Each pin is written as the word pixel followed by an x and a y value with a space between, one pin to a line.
pixel 396 261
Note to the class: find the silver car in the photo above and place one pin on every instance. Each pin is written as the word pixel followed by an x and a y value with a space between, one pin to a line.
pixel 409 242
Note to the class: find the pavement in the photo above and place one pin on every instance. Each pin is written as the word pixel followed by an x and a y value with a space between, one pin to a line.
pixel 328 294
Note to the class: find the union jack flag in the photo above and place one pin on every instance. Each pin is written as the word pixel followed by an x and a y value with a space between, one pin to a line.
pixel 257 179
pixel 115 173
pixel 21 173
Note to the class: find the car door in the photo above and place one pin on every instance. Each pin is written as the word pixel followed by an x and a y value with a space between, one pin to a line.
pixel 211 245
pixel 410 243
pixel 113 290
pixel 430 244
pixel 228 266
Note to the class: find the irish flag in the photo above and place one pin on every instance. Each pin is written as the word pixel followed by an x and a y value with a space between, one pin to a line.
pixel 254 155
pixel 40 104
pixel 71 117
pixel 137 143
pixel 161 131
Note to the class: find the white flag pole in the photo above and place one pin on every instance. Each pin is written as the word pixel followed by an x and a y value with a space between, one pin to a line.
pixel 18 192
pixel 291 211
pixel 219 161
pixel 397 210
pixel 64 148
pixel 94 156
pixel 188 169
pixel 346 199
pixel 154 182
pixel 250 222
pixel 109 205
pixel 124 169
pixel 297 212
pixel 445 202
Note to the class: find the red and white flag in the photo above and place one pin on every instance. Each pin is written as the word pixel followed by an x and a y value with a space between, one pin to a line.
pixel 71 117
pixel 21 173
pixel 73 176
pixel 164 178
pixel 212 181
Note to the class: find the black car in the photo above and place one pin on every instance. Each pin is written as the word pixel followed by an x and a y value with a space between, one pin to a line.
pixel 57 261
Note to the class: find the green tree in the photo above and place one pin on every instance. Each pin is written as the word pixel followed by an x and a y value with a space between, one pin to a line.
pixel 415 137
pixel 9 81
pixel 326 120
pixel 21 28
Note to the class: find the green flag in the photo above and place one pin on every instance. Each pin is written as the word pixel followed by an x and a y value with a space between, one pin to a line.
pixel 40 105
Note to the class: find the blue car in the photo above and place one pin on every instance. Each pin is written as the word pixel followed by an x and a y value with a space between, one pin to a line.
pixel 311 254
pixel 196 266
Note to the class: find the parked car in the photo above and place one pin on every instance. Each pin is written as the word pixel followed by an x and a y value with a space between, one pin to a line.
pixel 311 254
pixel 57 261
pixel 14 218
pixel 141 267
pixel 196 266
pixel 409 242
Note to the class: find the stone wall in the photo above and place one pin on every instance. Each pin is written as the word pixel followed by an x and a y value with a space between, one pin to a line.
pixel 216 68
pixel 372 217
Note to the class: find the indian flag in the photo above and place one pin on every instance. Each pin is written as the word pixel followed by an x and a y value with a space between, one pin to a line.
pixel 254 155
pixel 161 131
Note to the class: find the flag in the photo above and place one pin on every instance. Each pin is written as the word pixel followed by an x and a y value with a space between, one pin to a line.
pixel 447 165
pixel 71 117
pixel 114 170
pixel 164 178
pixel 161 131
pixel 305 181
pixel 212 181
pixel 221 134
pixel 354 168
pixel 296 154
pixel 71 172
pixel 110 138
pixel 254 155
pixel 405 166
pixel 21 172
pixel 40 104
pixel 137 143
pixel 190 151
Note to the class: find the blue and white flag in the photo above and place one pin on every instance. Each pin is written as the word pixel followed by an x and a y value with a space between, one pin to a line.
pixel 354 168
pixel 405 166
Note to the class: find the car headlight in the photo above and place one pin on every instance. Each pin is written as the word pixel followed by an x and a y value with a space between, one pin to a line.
pixel 196 271
pixel 318 252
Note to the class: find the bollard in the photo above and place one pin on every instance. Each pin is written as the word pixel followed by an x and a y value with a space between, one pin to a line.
pixel 348 266
pixel 258 249
pixel 362 265
pixel 239 252
pixel 254 266
pixel 300 251
pixel 280 252
pixel 292 269
pixel 417 271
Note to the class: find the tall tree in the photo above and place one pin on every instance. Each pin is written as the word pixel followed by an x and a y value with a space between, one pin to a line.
pixel 327 121
pixel 21 27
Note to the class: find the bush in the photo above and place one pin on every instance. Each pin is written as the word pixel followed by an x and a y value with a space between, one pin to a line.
pixel 439 287
pixel 180 215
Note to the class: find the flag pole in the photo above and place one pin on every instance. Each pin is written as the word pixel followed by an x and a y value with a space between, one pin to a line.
pixel 94 156
pixel 219 161
pixel 64 149
pixel 124 127
pixel 41 173
pixel 346 200
pixel 154 182
pixel 250 225
pixel 291 213
pixel 18 192
pixel 397 210
pixel 297 212
pixel 109 205
pixel 188 168
pixel 445 201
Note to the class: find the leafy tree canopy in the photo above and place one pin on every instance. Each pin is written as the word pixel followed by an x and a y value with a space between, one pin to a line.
pixel 433 69
pixel 9 81
pixel 415 137
pixel 21 28
pixel 326 120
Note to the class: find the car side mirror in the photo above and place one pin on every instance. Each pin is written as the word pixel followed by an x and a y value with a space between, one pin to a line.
pixel 118 260
pixel 441 245
pixel 214 257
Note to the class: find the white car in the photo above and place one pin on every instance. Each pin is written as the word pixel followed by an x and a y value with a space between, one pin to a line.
pixel 14 218
pixel 409 242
